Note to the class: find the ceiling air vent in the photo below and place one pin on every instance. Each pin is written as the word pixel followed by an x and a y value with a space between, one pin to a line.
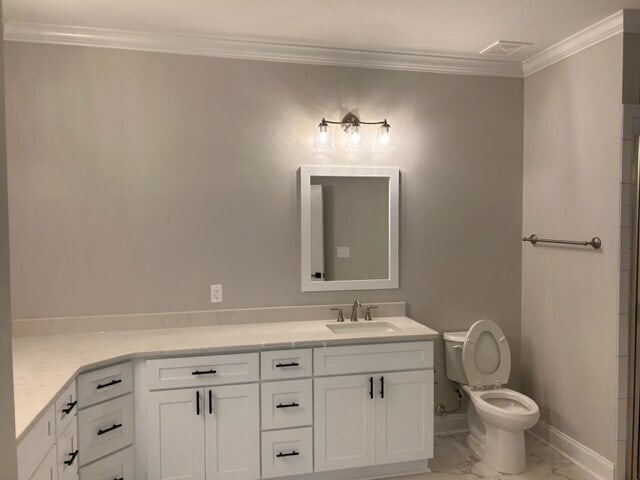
pixel 504 48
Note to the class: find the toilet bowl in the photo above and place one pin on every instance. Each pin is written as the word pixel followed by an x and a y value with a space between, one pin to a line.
pixel 479 360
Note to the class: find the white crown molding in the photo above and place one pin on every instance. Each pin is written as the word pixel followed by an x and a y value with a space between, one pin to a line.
pixel 253 50
pixel 596 33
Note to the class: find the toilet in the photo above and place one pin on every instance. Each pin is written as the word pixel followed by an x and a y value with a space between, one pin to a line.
pixel 479 360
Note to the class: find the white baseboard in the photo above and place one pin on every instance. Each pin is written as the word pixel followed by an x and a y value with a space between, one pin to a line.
pixel 595 465
pixel 446 424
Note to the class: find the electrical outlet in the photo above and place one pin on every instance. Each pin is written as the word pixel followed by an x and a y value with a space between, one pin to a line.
pixel 344 252
pixel 216 293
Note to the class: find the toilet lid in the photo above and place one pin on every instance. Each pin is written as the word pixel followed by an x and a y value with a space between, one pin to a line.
pixel 486 357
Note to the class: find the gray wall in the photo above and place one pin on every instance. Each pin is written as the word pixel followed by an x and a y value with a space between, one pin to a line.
pixel 570 296
pixel 138 179
pixel 356 215
pixel 8 468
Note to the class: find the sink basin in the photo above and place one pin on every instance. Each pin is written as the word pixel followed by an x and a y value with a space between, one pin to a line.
pixel 362 327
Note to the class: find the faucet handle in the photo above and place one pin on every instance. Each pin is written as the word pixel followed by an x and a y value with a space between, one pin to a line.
pixel 367 314
pixel 340 316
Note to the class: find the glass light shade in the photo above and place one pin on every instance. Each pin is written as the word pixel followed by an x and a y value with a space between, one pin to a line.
pixel 383 139
pixel 323 138
pixel 354 137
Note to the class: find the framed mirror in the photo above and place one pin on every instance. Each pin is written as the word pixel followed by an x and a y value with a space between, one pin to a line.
pixel 349 227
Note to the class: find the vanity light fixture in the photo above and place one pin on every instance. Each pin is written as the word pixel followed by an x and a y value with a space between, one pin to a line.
pixel 351 126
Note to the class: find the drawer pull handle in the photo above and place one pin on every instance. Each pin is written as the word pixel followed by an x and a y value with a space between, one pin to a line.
pixel 69 407
pixel 110 429
pixel 72 458
pixel 119 478
pixel 290 364
pixel 288 454
pixel 210 402
pixel 381 387
pixel 197 402
pixel 203 372
pixel 287 405
pixel 100 386
pixel 371 388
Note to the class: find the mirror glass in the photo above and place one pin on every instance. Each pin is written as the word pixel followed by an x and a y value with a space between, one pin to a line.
pixel 349 227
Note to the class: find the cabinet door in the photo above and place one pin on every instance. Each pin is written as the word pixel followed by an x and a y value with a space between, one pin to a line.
pixel 48 469
pixel 67 443
pixel 404 416
pixel 176 434
pixel 232 435
pixel 344 422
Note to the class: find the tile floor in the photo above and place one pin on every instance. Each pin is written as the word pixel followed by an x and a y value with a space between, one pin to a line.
pixel 454 460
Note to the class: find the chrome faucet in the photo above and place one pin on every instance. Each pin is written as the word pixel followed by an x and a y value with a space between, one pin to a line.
pixel 354 310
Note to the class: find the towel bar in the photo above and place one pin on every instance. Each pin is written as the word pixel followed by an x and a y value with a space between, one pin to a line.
pixel 595 242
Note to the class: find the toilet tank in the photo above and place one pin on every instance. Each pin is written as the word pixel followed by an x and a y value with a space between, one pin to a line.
pixel 453 342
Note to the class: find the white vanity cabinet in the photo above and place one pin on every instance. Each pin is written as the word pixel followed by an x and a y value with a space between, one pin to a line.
pixel 375 418
pixel 357 410
pixel 105 420
pixel 204 433
pixel 49 450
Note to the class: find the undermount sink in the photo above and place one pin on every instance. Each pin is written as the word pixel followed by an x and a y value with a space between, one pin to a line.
pixel 362 327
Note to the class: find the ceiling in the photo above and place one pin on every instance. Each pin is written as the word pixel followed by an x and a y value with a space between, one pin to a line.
pixel 450 27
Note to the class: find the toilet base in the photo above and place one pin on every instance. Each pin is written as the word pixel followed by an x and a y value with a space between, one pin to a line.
pixel 500 449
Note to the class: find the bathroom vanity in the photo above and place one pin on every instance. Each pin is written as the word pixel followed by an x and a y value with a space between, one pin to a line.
pixel 242 402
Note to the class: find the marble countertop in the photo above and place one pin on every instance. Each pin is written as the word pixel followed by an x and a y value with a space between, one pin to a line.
pixel 44 365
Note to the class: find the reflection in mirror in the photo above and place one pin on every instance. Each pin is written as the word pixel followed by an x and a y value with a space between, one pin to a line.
pixel 349 227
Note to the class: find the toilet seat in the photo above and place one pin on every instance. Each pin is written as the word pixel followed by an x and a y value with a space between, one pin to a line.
pixel 477 373
pixel 493 404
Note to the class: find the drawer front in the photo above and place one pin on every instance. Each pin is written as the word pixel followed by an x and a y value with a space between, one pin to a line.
pixel 202 371
pixel 68 452
pixel 104 384
pixel 373 358
pixel 105 428
pixel 116 466
pixel 47 470
pixel 287 452
pixel 283 364
pixel 36 443
pixel 66 408
pixel 287 404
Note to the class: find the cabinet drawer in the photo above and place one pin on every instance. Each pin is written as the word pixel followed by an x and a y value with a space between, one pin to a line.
pixel 47 470
pixel 105 428
pixel 67 442
pixel 283 364
pixel 287 404
pixel 104 384
pixel 287 452
pixel 373 358
pixel 116 466
pixel 35 444
pixel 202 371
pixel 66 408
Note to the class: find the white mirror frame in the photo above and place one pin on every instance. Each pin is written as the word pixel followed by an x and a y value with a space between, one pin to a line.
pixel 306 172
